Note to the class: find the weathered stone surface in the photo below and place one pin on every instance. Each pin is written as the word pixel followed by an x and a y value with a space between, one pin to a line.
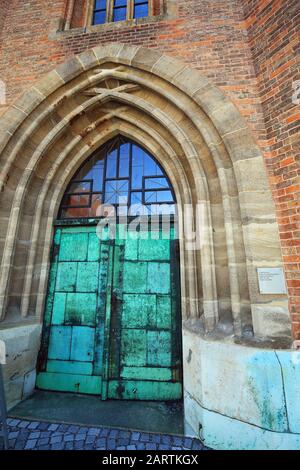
pixel 253 387
pixel 22 345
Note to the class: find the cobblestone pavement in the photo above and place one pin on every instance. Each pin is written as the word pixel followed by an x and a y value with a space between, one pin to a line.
pixel 33 435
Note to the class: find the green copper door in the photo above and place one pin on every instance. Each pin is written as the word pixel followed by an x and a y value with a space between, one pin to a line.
pixel 112 316
pixel 71 356
pixel 145 345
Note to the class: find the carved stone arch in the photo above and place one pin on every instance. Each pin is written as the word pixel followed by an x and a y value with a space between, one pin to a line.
pixel 198 136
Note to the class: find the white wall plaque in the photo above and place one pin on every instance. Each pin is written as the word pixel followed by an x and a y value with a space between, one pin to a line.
pixel 271 281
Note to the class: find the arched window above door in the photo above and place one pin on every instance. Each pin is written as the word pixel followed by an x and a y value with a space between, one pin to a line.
pixel 120 174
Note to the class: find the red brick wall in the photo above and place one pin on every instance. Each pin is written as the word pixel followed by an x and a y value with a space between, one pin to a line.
pixel 273 30
pixel 79 13
pixel 246 47
pixel 4 5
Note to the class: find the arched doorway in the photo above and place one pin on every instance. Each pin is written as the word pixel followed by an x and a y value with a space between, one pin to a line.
pixel 112 323
pixel 211 158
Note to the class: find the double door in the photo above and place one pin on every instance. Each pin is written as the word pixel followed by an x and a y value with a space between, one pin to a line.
pixel 112 324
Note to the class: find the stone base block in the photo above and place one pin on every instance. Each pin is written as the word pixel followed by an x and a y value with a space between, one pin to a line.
pixel 241 397
pixel 22 346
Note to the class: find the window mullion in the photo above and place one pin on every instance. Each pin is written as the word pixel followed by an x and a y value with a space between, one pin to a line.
pixel 89 13
pixel 150 8
pixel 109 11
pixel 130 9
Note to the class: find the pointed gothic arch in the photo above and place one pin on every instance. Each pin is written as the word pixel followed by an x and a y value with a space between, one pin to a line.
pixel 198 136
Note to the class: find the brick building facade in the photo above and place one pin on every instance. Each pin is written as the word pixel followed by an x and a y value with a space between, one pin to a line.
pixel 248 50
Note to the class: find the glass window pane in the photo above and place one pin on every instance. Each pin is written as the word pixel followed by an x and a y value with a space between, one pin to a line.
pixel 100 17
pixel 111 168
pixel 116 192
pixel 137 177
pixel 80 187
pixel 158 196
pixel 78 200
pixel 96 205
pixel 100 4
pixel 120 14
pixel 150 167
pixel 141 11
pixel 120 3
pixel 156 183
pixel 124 160
pixel 136 198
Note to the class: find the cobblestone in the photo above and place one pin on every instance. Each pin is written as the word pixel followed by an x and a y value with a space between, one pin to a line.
pixel 58 436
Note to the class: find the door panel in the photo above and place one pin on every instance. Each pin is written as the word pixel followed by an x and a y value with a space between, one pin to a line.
pixel 112 318
pixel 71 356
pixel 145 360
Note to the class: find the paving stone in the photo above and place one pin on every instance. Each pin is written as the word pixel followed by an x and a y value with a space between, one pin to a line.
pixel 113 434
pixel 88 447
pixel 79 445
pixel 30 444
pixel 13 422
pixel 34 435
pixel 121 448
pixel 23 434
pixel 46 434
pixel 188 441
pixel 155 438
pixel 33 425
pixel 63 427
pixel 68 437
pixel 141 446
pixel 58 446
pixel 69 446
pixel 12 443
pixel 23 424
pixel 94 431
pixel 163 447
pixel 90 439
pixel 111 444
pixel 13 435
pixel 43 448
pixel 144 437
pixel 53 427
pixel 43 442
pixel 123 442
pixel 136 436
pixel 101 442
pixel 73 429
pixel 197 445
pixel 151 446
pixel 43 426
pixel 131 447
pixel 124 434
pixel 166 440
pixel 83 430
pixel 20 445
pixel 104 432
pixel 56 440
pixel 177 441
pixel 58 433
pixel 80 437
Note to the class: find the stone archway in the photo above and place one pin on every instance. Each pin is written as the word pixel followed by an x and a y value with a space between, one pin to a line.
pixel 200 139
